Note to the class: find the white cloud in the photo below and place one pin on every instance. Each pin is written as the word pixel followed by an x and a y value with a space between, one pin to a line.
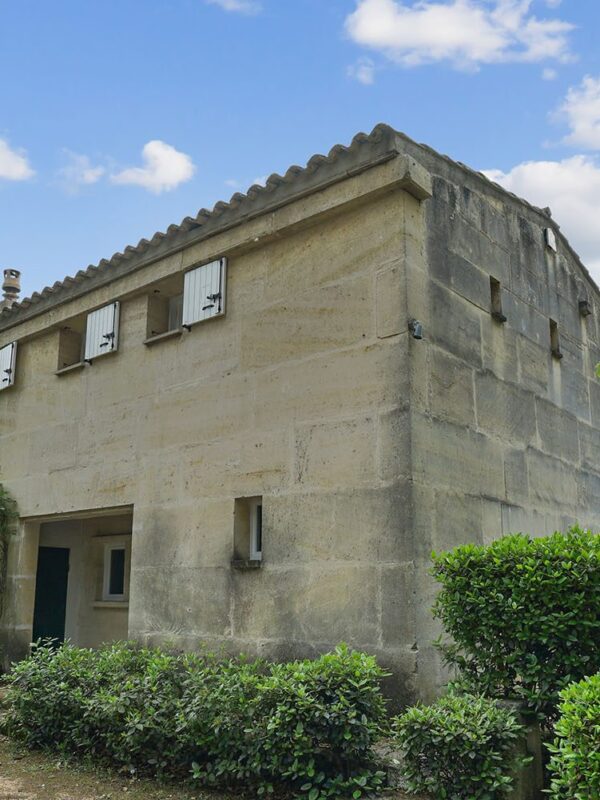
pixel 164 169
pixel 240 6
pixel 14 165
pixel 549 74
pixel 78 172
pixel 467 33
pixel 260 181
pixel 581 107
pixel 363 71
pixel 232 183
pixel 572 190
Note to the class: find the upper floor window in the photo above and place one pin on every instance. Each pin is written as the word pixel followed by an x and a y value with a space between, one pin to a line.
pixel 88 337
pixel 204 292
pixel 8 360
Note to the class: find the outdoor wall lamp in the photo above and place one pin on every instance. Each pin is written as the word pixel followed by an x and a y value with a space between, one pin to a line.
pixel 416 328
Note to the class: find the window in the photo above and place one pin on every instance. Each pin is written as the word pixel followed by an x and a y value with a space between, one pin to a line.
pixel 496 300
pixel 248 532
pixel 114 573
pixel 102 332
pixel 256 529
pixel 204 292
pixel 555 340
pixel 8 359
pixel 165 309
pixel 550 238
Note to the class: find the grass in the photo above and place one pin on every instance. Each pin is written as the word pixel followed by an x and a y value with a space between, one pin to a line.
pixel 26 775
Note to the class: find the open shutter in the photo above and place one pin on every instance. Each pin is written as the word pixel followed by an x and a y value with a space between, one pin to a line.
pixel 8 358
pixel 102 331
pixel 204 292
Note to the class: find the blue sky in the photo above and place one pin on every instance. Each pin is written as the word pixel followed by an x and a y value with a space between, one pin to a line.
pixel 119 117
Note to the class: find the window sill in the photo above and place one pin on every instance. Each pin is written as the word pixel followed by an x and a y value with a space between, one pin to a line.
pixel 71 368
pixel 246 563
pixel 161 337
pixel 117 604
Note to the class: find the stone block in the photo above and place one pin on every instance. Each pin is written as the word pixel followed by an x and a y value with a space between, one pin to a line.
pixel 447 455
pixel 454 325
pixel 368 526
pixel 551 482
pixel 533 360
pixel 451 388
pixel 558 431
pixel 398 599
pixel 177 600
pixel 336 454
pixel 394 444
pixel 504 410
pixel 516 478
pixel 335 316
pixel 313 603
pixel 390 302
pixel 589 440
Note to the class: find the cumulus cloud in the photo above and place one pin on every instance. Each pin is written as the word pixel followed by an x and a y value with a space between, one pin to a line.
pixel 467 33
pixel 164 169
pixel 239 6
pixel 363 71
pixel 571 188
pixel 14 165
pixel 581 108
pixel 78 172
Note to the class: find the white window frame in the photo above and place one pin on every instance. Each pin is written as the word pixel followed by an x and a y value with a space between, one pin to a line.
pixel 7 378
pixel 106 595
pixel 254 505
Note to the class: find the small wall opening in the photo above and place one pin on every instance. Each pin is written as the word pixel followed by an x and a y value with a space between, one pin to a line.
pixel 496 300
pixel 555 340
pixel 248 531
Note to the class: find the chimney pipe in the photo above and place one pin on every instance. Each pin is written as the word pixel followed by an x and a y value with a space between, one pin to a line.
pixel 11 286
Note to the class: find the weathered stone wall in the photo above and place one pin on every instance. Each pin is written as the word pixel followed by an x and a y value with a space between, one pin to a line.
pixel 370 448
pixel 298 394
pixel 505 437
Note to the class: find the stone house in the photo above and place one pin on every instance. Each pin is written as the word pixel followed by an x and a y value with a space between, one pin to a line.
pixel 250 431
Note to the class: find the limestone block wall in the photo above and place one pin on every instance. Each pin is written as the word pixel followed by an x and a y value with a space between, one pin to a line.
pixel 299 394
pixel 505 437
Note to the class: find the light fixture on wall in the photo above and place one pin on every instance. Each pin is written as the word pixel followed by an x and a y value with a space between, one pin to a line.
pixel 416 328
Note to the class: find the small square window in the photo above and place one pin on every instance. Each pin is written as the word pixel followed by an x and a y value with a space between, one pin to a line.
pixel 114 572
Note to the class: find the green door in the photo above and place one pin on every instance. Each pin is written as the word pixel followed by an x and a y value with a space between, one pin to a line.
pixel 51 593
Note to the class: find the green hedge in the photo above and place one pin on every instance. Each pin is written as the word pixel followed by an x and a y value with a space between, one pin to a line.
pixel 307 726
pixel 524 614
pixel 575 763
pixel 462 746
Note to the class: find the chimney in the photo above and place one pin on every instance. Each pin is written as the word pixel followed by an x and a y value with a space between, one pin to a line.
pixel 11 286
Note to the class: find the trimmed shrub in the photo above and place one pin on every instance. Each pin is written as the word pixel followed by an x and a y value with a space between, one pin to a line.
pixel 575 763
pixel 462 746
pixel 523 613
pixel 307 726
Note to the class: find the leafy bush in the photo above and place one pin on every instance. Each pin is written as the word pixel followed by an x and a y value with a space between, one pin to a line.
pixel 575 763
pixel 462 746
pixel 306 725
pixel 524 614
